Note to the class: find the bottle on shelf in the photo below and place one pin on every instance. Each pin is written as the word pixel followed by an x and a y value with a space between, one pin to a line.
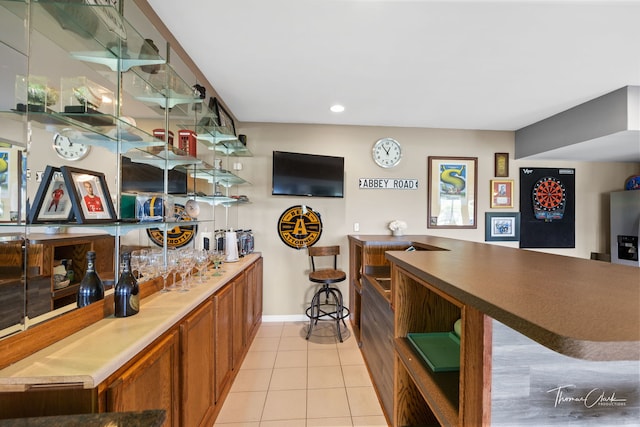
pixel 91 287
pixel 126 293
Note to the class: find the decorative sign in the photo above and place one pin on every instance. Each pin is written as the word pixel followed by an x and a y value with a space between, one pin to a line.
pixel 178 236
pixel 299 227
pixel 388 183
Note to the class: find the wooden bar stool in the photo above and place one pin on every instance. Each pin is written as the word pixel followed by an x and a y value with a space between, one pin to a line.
pixel 332 308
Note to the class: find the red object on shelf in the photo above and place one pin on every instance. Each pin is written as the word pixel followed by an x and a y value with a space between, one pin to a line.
pixel 187 141
pixel 159 133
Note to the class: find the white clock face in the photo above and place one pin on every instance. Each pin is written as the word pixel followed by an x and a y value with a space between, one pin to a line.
pixel 387 152
pixel 69 150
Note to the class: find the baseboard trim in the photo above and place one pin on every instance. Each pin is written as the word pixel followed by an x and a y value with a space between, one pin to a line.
pixel 284 318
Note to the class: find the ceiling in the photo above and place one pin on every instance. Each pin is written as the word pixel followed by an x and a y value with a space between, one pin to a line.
pixel 489 65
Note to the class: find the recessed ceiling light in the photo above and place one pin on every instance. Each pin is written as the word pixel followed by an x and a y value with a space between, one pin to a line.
pixel 337 108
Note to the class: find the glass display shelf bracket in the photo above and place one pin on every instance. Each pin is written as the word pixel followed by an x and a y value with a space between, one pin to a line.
pixel 169 98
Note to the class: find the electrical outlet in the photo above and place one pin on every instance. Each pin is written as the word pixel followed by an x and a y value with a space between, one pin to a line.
pixel 356 226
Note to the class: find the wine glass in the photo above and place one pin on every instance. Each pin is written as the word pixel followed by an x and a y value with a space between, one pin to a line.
pixel 201 259
pixel 173 264
pixel 216 258
pixel 184 266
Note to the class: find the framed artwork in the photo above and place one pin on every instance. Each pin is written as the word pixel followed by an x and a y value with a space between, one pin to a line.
pixel 501 193
pixel 452 188
pixel 503 226
pixel 5 178
pixel 501 165
pixel 53 199
pixel 223 118
pixel 90 195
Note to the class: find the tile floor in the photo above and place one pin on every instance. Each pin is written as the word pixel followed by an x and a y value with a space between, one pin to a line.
pixel 287 381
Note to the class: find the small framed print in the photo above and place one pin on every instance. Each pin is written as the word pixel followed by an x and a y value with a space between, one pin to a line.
pixel 90 195
pixel 501 193
pixel 52 203
pixel 501 165
pixel 502 226
pixel 223 118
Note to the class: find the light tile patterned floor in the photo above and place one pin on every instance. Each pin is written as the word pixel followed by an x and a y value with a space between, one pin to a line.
pixel 287 381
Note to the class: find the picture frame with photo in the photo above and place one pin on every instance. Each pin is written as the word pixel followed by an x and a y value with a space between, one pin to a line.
pixel 502 193
pixel 52 203
pixel 501 165
pixel 223 118
pixel 90 195
pixel 503 226
pixel 451 189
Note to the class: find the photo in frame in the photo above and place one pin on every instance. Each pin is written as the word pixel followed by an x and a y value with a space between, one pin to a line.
pixel 90 195
pixel 501 165
pixel 5 178
pixel 501 193
pixel 503 226
pixel 52 203
pixel 223 118
pixel 452 188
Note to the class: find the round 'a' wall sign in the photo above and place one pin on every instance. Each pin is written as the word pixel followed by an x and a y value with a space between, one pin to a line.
pixel 179 235
pixel 299 227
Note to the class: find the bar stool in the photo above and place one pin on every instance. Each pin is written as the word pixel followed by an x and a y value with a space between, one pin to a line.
pixel 332 308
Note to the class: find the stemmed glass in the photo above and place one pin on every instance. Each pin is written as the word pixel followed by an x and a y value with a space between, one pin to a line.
pixel 173 264
pixel 184 265
pixel 216 257
pixel 201 259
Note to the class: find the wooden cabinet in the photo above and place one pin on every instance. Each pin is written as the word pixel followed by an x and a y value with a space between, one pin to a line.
pixel 197 351
pixel 223 324
pixel 421 396
pixel 240 310
pixel 151 382
pixel 254 298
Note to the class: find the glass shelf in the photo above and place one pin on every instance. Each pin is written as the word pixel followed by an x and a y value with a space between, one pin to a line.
pixel 164 88
pixel 166 157
pixel 219 139
pixel 114 134
pixel 215 176
pixel 93 33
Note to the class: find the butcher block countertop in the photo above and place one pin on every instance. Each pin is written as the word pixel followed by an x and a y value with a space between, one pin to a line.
pixel 577 307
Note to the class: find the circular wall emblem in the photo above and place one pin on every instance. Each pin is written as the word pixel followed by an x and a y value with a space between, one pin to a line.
pixel 549 199
pixel 179 235
pixel 299 227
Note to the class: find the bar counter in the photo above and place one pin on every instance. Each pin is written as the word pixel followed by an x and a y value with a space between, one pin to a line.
pixel 86 358
pixel 580 308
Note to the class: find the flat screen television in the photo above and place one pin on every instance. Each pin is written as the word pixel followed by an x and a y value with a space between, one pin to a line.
pixel 312 175
pixel 141 178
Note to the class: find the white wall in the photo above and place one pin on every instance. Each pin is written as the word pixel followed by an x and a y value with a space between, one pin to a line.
pixel 286 288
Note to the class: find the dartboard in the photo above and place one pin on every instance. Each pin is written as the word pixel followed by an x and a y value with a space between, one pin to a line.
pixel 549 197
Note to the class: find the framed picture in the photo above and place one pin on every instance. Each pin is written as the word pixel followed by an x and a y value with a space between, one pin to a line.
pixel 501 165
pixel 223 118
pixel 452 188
pixel 90 195
pixel 501 193
pixel 504 226
pixel 53 199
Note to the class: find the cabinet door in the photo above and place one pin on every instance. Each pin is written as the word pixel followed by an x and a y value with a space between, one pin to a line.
pixel 254 297
pixel 223 301
pixel 150 383
pixel 196 351
pixel 239 315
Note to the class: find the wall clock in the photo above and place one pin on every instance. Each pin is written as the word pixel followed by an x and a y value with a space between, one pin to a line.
pixel 387 152
pixel 69 150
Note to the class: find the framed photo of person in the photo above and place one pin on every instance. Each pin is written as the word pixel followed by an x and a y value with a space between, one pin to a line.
pixel 90 195
pixel 501 193
pixel 52 203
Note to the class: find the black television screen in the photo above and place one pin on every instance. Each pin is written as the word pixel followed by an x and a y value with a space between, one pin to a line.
pixel 141 178
pixel 298 174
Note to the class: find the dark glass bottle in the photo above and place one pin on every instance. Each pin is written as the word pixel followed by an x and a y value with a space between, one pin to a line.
pixel 126 293
pixel 91 287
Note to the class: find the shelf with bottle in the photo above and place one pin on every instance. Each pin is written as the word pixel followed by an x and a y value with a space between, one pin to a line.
pixel 93 33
